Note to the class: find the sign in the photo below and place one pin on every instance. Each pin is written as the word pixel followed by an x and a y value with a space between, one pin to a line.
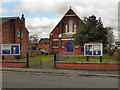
pixel 6 49
pixel 93 49
pixel 10 49
pixel 67 35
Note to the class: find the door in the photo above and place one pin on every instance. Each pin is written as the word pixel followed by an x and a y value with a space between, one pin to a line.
pixel 69 47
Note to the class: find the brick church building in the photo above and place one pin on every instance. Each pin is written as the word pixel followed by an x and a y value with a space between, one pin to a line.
pixel 61 37
pixel 13 31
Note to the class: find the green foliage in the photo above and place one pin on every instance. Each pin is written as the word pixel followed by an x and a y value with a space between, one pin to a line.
pixel 111 52
pixel 91 30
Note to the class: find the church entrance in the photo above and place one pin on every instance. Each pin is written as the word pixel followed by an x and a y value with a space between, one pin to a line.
pixel 69 47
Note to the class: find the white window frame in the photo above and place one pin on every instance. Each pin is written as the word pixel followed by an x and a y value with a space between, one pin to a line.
pixel 18 34
pixel 66 28
pixel 70 26
pixel 74 27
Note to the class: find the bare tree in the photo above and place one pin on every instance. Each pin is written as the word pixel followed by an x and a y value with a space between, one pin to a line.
pixel 33 39
pixel 110 39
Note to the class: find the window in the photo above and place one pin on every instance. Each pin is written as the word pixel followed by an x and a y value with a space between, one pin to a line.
pixel 70 26
pixel 74 27
pixel 18 34
pixel 61 43
pixel 66 28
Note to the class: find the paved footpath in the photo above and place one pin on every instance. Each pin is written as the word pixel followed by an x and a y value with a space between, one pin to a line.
pixel 65 72
pixel 47 65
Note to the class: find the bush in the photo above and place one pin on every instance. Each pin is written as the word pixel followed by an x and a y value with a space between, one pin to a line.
pixel 111 53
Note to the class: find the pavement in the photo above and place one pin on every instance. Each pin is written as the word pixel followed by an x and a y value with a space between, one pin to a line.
pixel 65 72
pixel 47 65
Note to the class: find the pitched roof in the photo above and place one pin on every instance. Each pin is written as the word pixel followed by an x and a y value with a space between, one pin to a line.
pixel 44 40
pixel 70 13
pixel 5 19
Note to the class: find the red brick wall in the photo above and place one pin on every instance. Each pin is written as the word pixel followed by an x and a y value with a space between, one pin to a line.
pixel 15 64
pixel 88 66
pixel 63 51
pixel 8 33
pixel 6 37
pixel 44 47
pixel 59 29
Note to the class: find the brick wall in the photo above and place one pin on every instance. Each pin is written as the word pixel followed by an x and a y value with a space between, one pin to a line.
pixel 44 47
pixel 15 64
pixel 55 45
pixel 88 66
pixel 9 34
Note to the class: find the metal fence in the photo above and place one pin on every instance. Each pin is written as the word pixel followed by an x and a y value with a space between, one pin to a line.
pixel 86 59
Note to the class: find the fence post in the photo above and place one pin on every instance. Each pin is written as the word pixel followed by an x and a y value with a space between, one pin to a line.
pixel 100 58
pixel 27 60
pixel 54 60
pixel 87 58
pixel 3 58
pixel 40 60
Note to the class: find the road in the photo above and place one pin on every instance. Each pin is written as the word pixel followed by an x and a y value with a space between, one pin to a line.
pixel 38 80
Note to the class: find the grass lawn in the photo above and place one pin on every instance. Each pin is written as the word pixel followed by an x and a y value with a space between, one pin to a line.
pixel 35 60
pixel 105 58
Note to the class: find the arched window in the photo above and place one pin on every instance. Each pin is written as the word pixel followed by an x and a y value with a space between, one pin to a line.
pixel 74 27
pixel 66 28
pixel 70 26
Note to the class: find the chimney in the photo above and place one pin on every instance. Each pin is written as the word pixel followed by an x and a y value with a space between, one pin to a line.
pixel 23 19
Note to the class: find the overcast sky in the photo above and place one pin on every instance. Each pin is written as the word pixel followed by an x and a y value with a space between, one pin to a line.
pixel 43 15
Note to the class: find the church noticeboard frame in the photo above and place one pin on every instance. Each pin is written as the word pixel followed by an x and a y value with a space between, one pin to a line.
pixel 10 49
pixel 93 49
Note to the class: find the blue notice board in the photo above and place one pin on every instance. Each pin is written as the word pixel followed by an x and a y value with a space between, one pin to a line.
pixel 6 52
pixel 88 50
pixel 10 49
pixel 93 49
pixel 15 50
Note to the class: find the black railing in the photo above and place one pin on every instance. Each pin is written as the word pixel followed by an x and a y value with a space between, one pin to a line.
pixel 85 59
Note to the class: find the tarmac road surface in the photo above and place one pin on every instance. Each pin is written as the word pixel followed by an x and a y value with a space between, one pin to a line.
pixel 38 80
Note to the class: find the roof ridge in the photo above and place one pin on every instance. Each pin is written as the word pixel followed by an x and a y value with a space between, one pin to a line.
pixel 7 17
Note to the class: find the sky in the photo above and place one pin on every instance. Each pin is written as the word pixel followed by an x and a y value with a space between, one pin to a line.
pixel 41 16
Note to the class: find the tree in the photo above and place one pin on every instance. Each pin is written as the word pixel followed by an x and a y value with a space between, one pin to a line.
pixel 92 30
pixel 33 39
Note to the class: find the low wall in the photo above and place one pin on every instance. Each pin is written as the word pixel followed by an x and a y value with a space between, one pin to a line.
pixel 14 64
pixel 88 66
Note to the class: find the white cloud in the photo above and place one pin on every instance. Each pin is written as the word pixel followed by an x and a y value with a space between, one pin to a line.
pixel 42 6
pixel 106 9
pixel 3 11
pixel 42 26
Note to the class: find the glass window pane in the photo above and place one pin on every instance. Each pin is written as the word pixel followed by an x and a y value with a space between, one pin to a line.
pixel 70 26
pixel 66 28
pixel 74 27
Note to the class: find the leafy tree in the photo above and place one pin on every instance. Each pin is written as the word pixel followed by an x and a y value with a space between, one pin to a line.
pixel 92 30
